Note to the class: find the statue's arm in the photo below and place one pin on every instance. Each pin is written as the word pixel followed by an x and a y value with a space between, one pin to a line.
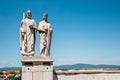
pixel 33 26
pixel 50 28
pixel 21 23
pixel 41 28
pixel 21 34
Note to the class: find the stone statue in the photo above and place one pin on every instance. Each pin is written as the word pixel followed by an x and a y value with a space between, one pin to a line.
pixel 45 31
pixel 27 35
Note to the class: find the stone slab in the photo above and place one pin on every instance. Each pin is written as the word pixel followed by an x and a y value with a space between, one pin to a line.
pixel 37 59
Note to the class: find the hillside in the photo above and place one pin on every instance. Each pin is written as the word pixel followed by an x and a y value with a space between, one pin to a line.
pixel 86 66
pixel 75 66
pixel 10 68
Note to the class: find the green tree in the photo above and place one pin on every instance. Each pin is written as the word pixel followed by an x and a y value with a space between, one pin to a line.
pixel 16 78
pixel 11 77
pixel 1 73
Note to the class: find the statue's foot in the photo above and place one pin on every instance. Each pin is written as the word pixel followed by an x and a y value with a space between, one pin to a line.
pixel 28 55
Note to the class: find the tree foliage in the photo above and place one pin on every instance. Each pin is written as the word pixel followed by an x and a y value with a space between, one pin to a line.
pixel 1 73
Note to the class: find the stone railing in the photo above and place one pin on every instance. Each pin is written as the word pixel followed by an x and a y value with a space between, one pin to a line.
pixel 87 75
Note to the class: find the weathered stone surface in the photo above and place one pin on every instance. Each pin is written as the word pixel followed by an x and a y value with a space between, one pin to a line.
pixel 27 35
pixel 37 68
pixel 35 59
pixel 45 31
pixel 87 75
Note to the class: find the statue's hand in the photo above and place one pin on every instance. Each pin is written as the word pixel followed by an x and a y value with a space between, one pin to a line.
pixel 22 33
pixel 31 26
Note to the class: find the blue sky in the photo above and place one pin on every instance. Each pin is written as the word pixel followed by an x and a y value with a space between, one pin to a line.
pixel 85 31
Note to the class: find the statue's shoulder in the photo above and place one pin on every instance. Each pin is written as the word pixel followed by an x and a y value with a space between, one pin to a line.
pixel 41 23
pixel 33 20
pixel 22 20
pixel 49 23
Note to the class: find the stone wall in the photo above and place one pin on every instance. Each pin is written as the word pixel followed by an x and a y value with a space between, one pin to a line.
pixel 87 75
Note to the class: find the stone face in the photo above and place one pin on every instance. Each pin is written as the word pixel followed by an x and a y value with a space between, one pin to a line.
pixel 37 68
pixel 45 31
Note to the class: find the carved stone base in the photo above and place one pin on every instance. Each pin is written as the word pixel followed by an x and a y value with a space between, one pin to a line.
pixel 37 68
pixel 28 55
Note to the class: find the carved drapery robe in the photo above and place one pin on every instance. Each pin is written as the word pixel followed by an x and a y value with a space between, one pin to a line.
pixel 45 37
pixel 27 36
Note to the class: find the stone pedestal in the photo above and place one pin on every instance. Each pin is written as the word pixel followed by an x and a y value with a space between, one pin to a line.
pixel 37 68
